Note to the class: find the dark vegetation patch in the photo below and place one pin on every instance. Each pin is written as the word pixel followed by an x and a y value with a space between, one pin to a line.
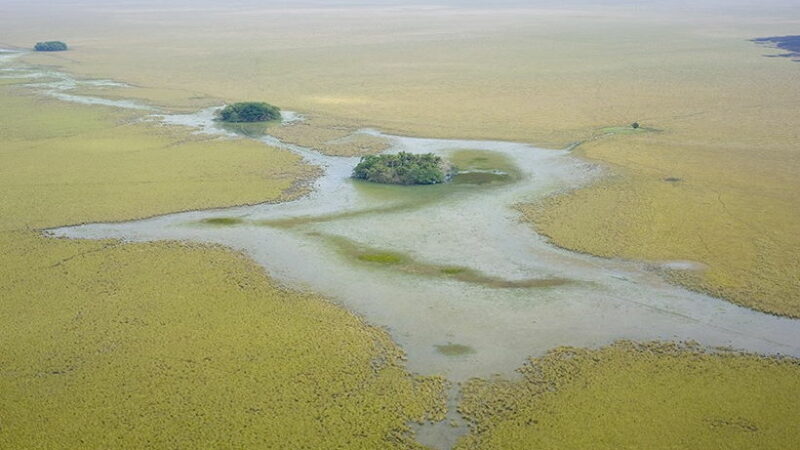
pixel 225 221
pixel 673 179
pixel 454 349
pixel 789 43
pixel 481 178
pixel 381 257
pixel 50 46
pixel 249 112
pixel 403 168
pixel 405 263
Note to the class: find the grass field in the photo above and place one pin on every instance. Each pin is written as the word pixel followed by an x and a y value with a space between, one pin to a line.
pixel 112 345
pixel 627 395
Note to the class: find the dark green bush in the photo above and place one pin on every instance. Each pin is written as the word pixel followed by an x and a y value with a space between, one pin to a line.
pixel 50 46
pixel 249 112
pixel 403 168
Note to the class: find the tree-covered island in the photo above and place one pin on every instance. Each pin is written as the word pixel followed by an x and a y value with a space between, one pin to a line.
pixel 249 112
pixel 404 168
pixel 50 46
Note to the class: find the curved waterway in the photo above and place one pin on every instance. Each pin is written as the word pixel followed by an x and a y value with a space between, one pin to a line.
pixel 449 270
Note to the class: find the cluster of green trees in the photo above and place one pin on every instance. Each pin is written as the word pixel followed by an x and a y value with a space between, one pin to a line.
pixel 249 112
pixel 403 168
pixel 50 46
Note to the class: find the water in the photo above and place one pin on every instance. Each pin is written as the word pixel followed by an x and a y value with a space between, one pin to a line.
pixel 449 270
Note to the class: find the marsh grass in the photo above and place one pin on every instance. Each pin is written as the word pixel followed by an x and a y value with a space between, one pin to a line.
pixel 626 396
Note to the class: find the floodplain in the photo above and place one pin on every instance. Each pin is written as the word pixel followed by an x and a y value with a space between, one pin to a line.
pixel 234 324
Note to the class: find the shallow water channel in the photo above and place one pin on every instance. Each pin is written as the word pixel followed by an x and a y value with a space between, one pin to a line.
pixel 460 283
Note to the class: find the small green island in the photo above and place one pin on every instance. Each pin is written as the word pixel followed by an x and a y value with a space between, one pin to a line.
pixel 404 168
pixel 249 112
pixel 50 46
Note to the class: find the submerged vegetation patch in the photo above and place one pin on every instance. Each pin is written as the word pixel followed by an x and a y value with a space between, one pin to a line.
pixel 406 264
pixel 223 221
pixel 451 349
pixel 381 257
pixel 481 168
pixel 403 168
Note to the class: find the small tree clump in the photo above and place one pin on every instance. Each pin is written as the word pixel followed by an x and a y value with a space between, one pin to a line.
pixel 50 46
pixel 249 112
pixel 403 168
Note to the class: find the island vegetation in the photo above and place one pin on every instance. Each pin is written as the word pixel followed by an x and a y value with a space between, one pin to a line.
pixel 249 112
pixel 50 46
pixel 403 168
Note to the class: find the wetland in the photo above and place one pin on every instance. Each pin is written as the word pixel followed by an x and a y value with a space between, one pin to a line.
pixel 261 296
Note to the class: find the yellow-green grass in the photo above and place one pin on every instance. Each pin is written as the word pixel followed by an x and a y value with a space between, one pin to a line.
pixel 330 137
pixel 734 211
pixel 74 162
pixel 112 345
pixel 727 116
pixel 655 396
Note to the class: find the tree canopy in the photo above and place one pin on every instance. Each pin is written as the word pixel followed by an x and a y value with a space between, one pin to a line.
pixel 249 112
pixel 403 168
pixel 50 46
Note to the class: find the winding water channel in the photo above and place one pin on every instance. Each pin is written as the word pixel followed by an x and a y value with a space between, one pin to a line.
pixel 460 283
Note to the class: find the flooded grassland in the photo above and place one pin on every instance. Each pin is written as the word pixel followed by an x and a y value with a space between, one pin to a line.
pixel 727 114
pixel 111 345
pixel 712 192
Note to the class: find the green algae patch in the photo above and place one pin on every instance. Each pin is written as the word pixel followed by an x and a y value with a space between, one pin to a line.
pixel 168 344
pixel 223 221
pixel 629 395
pixel 467 159
pixel 404 263
pixel 454 349
pixel 481 167
pixel 381 257
pixel 481 178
